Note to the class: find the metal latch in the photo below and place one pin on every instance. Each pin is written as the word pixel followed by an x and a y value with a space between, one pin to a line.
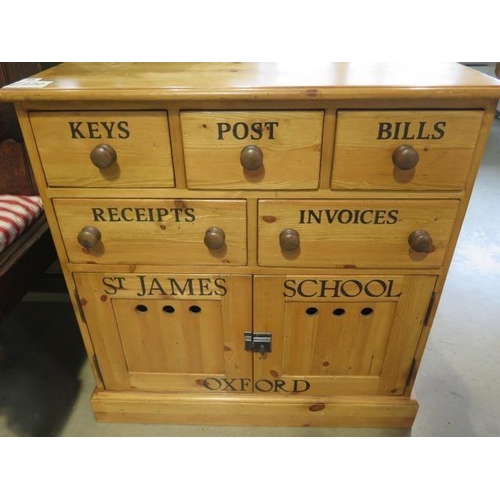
pixel 258 342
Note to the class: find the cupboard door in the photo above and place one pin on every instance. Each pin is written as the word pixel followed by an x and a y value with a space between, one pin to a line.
pixel 338 334
pixel 169 333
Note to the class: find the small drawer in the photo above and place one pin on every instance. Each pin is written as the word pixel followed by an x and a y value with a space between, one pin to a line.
pixel 104 148
pixel 404 150
pixel 252 149
pixel 151 231
pixel 355 234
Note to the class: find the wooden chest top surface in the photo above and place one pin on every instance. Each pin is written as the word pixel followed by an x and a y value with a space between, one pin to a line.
pixel 262 81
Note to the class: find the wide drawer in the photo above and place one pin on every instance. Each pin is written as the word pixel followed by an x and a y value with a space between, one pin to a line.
pixel 354 234
pixel 104 148
pixel 252 149
pixel 152 231
pixel 428 150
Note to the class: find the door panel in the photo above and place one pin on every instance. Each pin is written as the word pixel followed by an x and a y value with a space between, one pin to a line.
pixel 169 333
pixel 339 335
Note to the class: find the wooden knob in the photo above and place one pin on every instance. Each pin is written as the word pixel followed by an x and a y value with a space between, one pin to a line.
pixel 215 238
pixel 103 156
pixel 420 241
pixel 405 157
pixel 251 157
pixel 89 236
pixel 289 240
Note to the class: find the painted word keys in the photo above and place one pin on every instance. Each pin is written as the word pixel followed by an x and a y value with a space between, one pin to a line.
pixel 99 130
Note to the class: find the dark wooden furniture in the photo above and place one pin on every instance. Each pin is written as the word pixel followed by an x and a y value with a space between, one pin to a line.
pixel 27 258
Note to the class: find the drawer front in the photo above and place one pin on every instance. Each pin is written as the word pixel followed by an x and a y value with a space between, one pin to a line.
pixel 252 149
pixel 354 234
pixel 428 150
pixel 131 231
pixel 139 139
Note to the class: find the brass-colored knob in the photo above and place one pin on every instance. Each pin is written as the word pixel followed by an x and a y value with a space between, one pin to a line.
pixel 420 241
pixel 89 237
pixel 405 157
pixel 103 156
pixel 251 157
pixel 289 240
pixel 215 238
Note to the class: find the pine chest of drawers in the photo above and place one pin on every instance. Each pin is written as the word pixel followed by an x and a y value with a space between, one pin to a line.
pixel 255 243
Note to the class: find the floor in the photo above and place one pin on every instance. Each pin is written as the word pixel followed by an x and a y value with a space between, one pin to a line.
pixel 46 383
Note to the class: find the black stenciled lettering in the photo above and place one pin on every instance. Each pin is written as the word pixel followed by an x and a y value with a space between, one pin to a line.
pixel 384 130
pixel 108 128
pixel 112 284
pixel 397 126
pixel 279 385
pixel 222 128
pixel 124 130
pixel 345 216
pixel 156 287
pixel 76 133
pixel 264 385
pixel 98 214
pixel 286 285
pixel 229 384
pixel 331 216
pixel 364 215
pixel 94 132
pixel 220 283
pixel 204 286
pixel 142 282
pixel 189 215
pixel 371 288
pixel 244 127
pixel 178 290
pixel 301 216
pixel 392 216
pixel 257 131
pixel 379 216
pixel 271 128
pixel 244 383
pixel 421 131
pixel 406 132
pixel 124 215
pixel 176 213
pixel 358 288
pixel 113 214
pixel 161 213
pixel 389 290
pixel 300 288
pixel 301 386
pixel 334 289
pixel 312 215
pixel 213 384
pixel 439 129
pixel 140 214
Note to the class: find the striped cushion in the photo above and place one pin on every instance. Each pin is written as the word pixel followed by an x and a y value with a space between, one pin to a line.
pixel 16 214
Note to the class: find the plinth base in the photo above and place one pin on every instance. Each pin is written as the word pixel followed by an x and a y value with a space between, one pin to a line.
pixel 252 410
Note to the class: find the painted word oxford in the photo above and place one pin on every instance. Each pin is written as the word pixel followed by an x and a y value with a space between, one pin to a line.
pixel 261 385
